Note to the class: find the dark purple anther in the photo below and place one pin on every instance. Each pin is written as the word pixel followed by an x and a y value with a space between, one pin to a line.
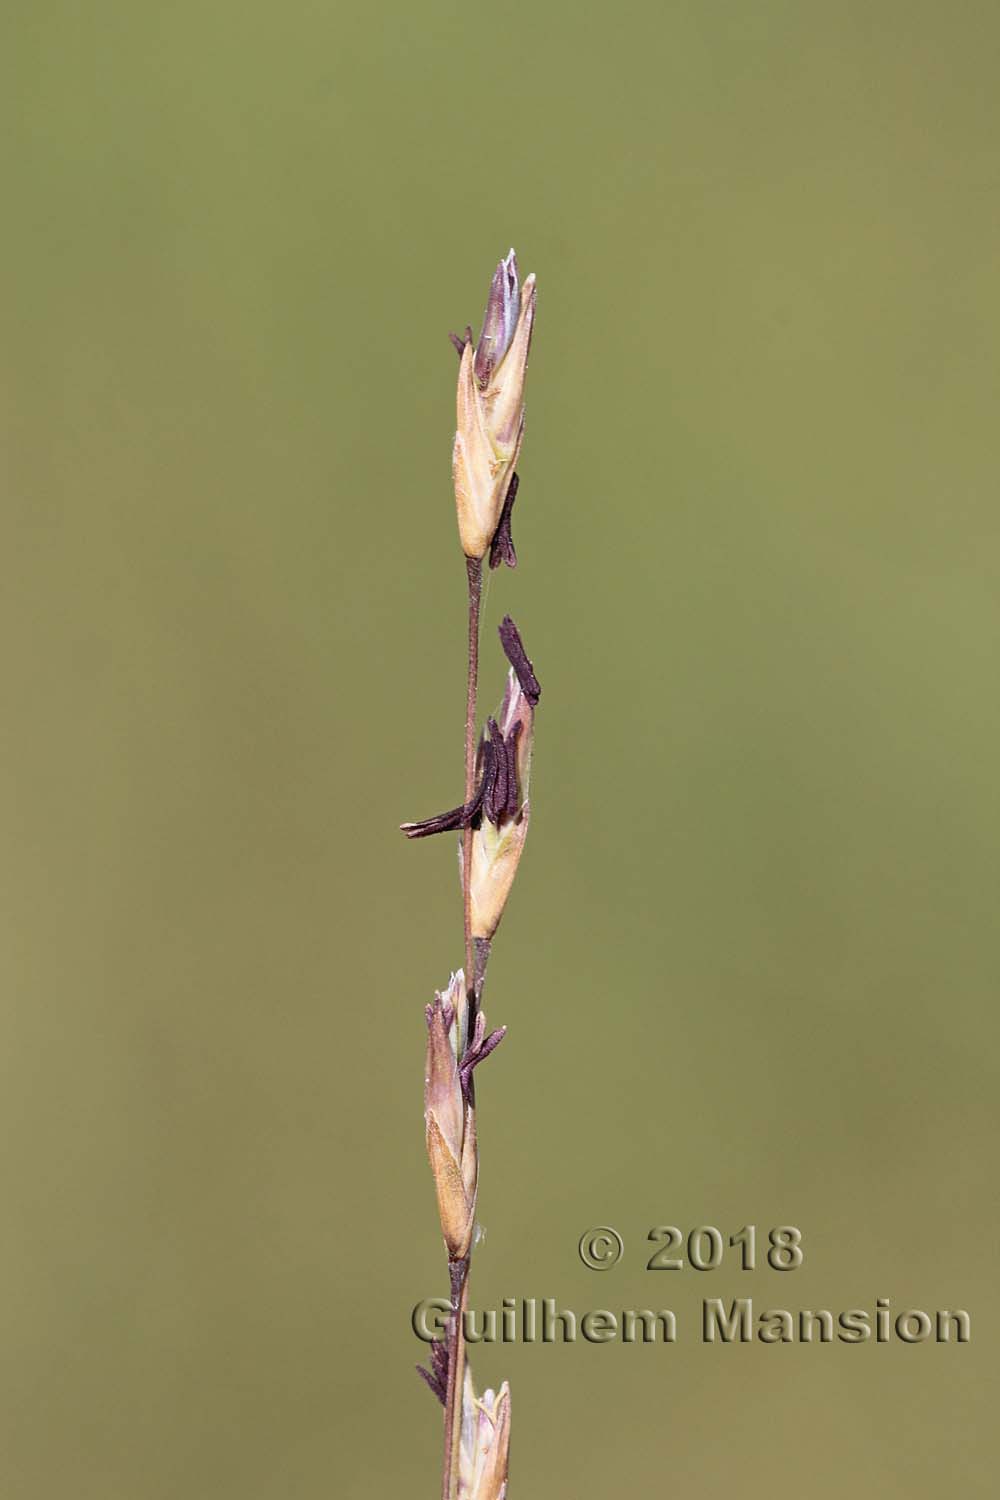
pixel 502 545
pixel 478 1050
pixel 495 803
pixel 437 1376
pixel 457 817
pixel 510 640
pixel 510 750
pixel 460 343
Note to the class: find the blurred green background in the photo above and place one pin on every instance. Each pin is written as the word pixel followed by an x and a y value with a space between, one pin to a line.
pixel 750 966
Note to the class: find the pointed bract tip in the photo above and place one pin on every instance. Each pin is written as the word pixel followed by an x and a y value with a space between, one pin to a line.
pixel 500 319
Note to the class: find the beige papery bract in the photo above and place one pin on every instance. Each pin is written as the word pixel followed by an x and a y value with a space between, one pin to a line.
pixel 450 1121
pixel 490 408
pixel 482 1461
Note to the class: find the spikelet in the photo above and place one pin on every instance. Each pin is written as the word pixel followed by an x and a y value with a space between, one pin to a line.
pixel 450 1121
pixel 490 408
pixel 485 1440
pixel 498 840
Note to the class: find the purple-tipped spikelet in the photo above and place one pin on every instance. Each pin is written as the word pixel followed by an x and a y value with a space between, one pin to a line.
pixel 449 1112
pixel 490 408
pixel 499 809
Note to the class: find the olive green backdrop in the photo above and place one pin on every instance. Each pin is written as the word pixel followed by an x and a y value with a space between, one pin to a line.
pixel 750 965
